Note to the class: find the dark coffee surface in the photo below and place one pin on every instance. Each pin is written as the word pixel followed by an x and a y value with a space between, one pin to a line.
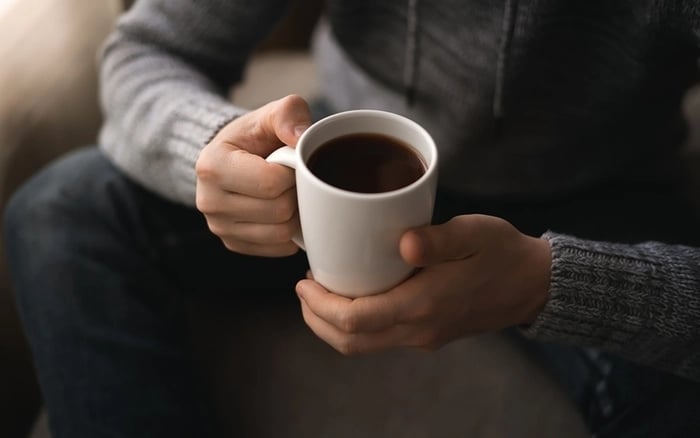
pixel 366 163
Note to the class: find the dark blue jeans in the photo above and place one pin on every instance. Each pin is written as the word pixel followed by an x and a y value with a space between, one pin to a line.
pixel 103 269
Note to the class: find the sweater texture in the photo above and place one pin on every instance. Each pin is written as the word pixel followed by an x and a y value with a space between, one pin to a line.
pixel 528 100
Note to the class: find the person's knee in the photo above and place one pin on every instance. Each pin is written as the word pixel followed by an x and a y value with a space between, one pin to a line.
pixel 52 227
pixel 53 205
pixel 28 216
pixel 33 209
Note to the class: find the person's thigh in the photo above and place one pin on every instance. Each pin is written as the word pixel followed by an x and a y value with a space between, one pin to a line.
pixel 102 269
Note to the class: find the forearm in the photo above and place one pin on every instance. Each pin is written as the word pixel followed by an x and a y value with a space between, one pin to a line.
pixel 639 301
pixel 158 117
pixel 165 74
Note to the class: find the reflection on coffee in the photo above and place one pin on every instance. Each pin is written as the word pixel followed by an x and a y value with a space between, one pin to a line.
pixel 366 163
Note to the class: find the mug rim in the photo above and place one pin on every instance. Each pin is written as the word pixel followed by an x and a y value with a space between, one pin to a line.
pixel 431 167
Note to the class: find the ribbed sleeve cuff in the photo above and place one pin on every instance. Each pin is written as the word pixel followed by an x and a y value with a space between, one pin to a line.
pixel 195 122
pixel 597 297
pixel 638 301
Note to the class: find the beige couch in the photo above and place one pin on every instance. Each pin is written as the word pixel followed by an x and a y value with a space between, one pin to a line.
pixel 289 384
pixel 48 104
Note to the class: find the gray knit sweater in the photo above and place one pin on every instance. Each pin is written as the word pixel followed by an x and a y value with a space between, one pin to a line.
pixel 527 100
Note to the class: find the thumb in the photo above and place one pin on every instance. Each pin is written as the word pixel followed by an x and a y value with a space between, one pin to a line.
pixel 267 128
pixel 288 118
pixel 454 240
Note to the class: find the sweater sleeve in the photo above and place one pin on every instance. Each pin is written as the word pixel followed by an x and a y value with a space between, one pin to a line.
pixel 640 301
pixel 164 76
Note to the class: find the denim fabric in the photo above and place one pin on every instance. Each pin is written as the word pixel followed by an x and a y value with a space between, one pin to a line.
pixel 617 398
pixel 103 270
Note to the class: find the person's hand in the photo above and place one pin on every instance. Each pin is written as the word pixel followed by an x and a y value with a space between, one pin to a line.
pixel 250 203
pixel 477 273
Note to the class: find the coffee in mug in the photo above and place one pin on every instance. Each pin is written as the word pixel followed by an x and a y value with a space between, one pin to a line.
pixel 366 163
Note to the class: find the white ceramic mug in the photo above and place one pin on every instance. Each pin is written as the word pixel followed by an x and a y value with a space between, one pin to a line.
pixel 352 239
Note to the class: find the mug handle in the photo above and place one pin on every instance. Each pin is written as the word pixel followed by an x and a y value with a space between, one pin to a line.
pixel 287 156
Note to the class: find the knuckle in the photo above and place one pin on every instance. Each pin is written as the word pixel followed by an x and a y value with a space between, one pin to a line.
pixel 285 208
pixel 204 202
pixel 270 185
pixel 348 322
pixel 230 244
pixel 423 312
pixel 284 233
pixel 205 168
pixel 216 227
pixel 238 154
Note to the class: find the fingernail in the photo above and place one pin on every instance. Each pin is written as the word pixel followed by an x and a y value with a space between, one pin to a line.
pixel 299 129
pixel 299 288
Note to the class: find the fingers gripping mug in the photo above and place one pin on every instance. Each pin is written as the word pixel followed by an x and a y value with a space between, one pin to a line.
pixel 363 177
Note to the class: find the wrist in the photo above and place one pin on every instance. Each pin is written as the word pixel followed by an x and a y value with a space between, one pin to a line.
pixel 541 273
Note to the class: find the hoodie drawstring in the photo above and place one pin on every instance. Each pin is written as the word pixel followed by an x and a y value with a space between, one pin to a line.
pixel 411 55
pixel 503 50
